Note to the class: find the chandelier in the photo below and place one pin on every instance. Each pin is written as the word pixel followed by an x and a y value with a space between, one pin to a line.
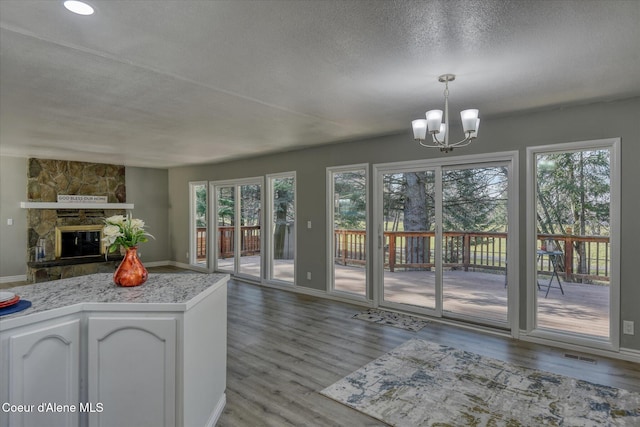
pixel 439 130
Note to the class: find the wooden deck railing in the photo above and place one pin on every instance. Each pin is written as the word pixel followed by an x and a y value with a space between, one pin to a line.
pixel 250 241
pixel 350 246
pixel 201 243
pixel 583 257
pixel 464 250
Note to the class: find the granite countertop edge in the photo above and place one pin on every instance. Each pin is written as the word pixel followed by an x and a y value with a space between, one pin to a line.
pixel 96 292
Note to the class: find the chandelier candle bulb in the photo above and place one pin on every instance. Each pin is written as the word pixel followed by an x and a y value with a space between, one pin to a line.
pixel 469 120
pixel 419 129
pixel 434 120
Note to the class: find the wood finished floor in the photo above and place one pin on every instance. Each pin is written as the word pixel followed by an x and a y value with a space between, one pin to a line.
pixel 283 348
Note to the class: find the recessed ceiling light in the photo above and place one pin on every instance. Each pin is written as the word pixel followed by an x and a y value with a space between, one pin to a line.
pixel 78 7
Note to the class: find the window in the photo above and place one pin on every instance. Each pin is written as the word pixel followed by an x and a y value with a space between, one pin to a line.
pixel 238 207
pixel 573 242
pixel 282 223
pixel 347 227
pixel 198 224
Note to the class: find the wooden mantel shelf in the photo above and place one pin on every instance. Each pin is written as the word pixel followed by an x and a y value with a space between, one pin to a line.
pixel 86 206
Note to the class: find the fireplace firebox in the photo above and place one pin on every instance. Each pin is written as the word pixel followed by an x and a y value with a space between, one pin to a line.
pixel 78 241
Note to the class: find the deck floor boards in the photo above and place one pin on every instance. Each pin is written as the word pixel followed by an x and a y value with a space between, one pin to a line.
pixel 583 308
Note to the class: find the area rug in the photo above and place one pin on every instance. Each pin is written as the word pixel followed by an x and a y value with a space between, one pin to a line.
pixel 425 384
pixel 389 318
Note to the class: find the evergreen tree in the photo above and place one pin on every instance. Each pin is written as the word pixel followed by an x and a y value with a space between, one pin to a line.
pixel 284 213
pixel 573 196
pixel 226 206
pixel 201 206
pixel 351 200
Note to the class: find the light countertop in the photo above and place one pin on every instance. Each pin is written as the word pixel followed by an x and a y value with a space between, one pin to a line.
pixel 98 292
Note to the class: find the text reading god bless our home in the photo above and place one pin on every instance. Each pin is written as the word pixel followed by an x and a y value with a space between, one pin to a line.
pixel 52 407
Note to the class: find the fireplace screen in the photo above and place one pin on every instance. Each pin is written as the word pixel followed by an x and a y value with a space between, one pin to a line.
pixel 79 241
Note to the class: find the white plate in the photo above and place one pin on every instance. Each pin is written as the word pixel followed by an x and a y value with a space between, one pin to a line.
pixel 6 296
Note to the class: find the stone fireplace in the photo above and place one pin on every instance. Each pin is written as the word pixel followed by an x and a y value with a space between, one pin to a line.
pixel 67 242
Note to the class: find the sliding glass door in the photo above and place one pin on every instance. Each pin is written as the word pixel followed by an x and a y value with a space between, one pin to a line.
pixel 474 242
pixel 225 209
pixel 238 207
pixel 282 220
pixel 347 227
pixel 249 230
pixel 443 237
pixel 198 239
pixel 409 238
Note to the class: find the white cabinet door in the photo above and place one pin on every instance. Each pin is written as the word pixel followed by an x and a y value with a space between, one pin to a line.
pixel 44 368
pixel 132 371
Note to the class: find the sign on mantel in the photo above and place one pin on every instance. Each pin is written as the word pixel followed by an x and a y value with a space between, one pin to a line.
pixel 79 198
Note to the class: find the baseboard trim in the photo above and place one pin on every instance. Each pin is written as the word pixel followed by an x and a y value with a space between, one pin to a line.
pixel 19 278
pixel 156 263
pixel 464 325
pixel 217 411
pixel 627 354
pixel 630 354
pixel 307 291
pixel 188 266
pixel 179 264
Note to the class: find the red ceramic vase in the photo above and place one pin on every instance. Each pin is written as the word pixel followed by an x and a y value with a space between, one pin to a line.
pixel 131 272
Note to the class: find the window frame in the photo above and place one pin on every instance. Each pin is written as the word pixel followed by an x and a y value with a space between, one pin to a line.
pixel 330 171
pixel 192 258
pixel 269 269
pixel 566 339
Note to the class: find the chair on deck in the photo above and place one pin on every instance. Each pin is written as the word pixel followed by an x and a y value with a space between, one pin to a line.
pixel 555 256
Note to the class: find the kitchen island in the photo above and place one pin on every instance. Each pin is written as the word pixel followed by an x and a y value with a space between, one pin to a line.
pixel 89 353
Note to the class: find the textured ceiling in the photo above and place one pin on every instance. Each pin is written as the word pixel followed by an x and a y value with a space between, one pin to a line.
pixel 167 83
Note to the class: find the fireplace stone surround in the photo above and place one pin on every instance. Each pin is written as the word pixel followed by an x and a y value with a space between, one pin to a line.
pixel 46 179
